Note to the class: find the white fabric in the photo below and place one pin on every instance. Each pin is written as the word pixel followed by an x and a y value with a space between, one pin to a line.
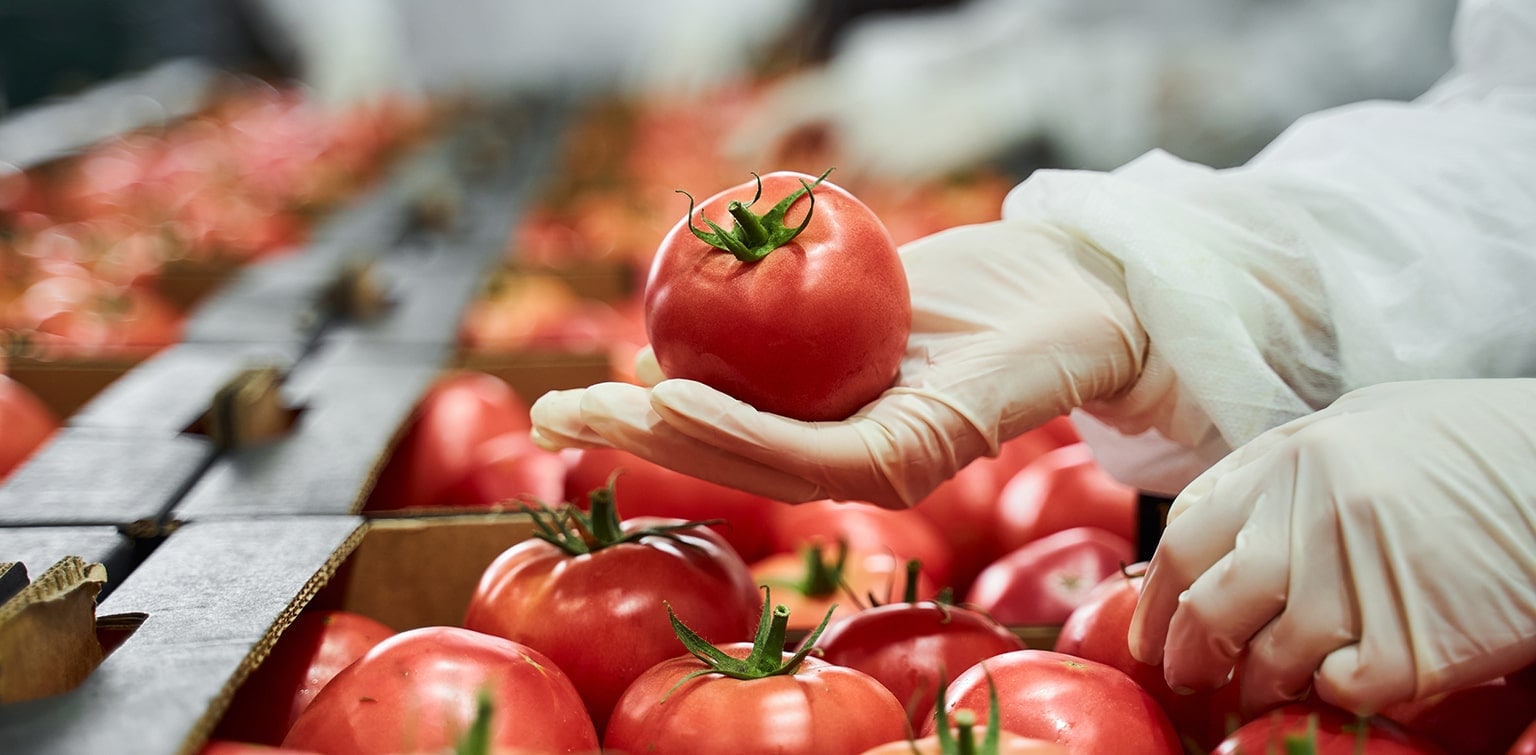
pixel 353 50
pixel 1382 549
pixel 1374 242
pixel 1014 322
pixel 1099 81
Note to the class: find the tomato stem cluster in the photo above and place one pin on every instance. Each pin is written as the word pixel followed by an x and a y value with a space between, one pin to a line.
pixel 767 655
pixel 753 235
pixel 577 532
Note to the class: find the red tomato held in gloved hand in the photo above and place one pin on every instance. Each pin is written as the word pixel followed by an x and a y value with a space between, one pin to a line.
pixel 314 648
pixel 1088 707
pixel 749 698
pixel 1328 730
pixel 803 311
pixel 1480 719
pixel 419 692
pixel 595 597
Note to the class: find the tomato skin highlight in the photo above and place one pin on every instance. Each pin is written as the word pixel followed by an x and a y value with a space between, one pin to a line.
pixel 418 691
pixel 821 709
pixel 602 616
pixel 814 330
pixel 910 647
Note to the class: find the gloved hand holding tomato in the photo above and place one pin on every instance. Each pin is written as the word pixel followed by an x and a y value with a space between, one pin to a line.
pixel 1012 323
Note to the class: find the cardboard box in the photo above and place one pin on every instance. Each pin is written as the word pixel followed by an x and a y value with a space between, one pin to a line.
pixel 207 606
pixel 85 476
pixel 350 402
pixel 172 390
pixel 36 549
pixel 48 641
pixel 65 385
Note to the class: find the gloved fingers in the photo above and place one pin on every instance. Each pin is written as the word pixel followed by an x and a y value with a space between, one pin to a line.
pixel 1320 617
pixel 647 369
pixel 557 422
pixel 1238 595
pixel 1365 677
pixel 1199 488
pixel 622 416
pixel 891 454
pixel 1221 501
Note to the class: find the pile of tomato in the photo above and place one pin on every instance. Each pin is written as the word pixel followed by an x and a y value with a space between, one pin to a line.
pixel 666 614
pixel 86 240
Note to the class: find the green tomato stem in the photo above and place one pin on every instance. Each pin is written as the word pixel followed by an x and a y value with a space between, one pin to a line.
pixel 754 236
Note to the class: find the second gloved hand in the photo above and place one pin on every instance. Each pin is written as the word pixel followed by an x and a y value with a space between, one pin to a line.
pixel 1380 550
pixel 1014 323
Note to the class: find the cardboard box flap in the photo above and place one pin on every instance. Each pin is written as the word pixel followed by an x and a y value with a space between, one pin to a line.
pixel 329 458
pixel 212 598
pixel 105 476
pixel 13 579
pixel 173 389
pixel 48 632
pixel 36 548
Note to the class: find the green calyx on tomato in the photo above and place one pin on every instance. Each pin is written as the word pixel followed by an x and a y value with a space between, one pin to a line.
pixel 962 741
pixel 477 739
pixel 754 236
pixel 767 656
pixel 579 532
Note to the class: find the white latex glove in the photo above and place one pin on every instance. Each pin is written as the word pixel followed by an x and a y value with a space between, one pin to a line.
pixel 1014 323
pixel 1380 550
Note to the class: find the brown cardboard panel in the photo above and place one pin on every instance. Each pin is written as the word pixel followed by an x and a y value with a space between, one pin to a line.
pixel 85 476
pixel 66 385
pixel 39 547
pixel 417 572
pixel 48 632
pixel 354 403
pixel 212 598
pixel 534 373
pixel 171 390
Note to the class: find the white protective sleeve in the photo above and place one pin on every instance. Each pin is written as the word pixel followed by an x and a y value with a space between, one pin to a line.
pixel 1373 242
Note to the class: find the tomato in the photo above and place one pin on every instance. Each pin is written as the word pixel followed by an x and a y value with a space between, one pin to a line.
pixel 1085 706
pixel 27 424
pixel 1481 719
pixel 1098 630
pixel 314 648
pixel 596 600
pixel 418 690
pixel 747 698
pixel 814 329
pixel 822 577
pixel 964 507
pixel 649 489
pixel 1526 744
pixel 1329 730
pixel 1043 581
pixel 1062 489
pixel 913 646
pixel 459 411
pixel 867 528
pixel 959 737
pixel 507 469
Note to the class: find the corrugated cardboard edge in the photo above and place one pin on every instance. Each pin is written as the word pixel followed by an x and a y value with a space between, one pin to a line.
pixel 48 641
pixel 210 718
